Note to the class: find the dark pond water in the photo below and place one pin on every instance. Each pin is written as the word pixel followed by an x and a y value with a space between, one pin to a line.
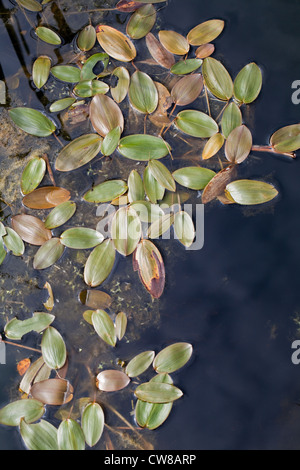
pixel 236 300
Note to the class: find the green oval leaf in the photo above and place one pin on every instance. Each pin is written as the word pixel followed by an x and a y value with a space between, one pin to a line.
pixel 87 38
pixel 41 71
pixel 81 238
pixel 66 73
pixel 53 348
pixel 172 357
pixel 107 191
pixel 16 329
pixel 62 104
pixel 139 363
pixel 88 88
pixel 48 35
pixel 33 174
pixel 126 230
pixel 157 392
pixel 286 139
pixel 31 5
pixel 120 91
pixel 29 409
pixel 141 22
pixel 79 152
pixel 205 32
pixel 153 189
pixel 251 192
pixel 99 264
pixel 184 67
pixel 39 436
pixel 248 84
pixel 217 79
pixel 70 435
pixel 143 147
pixel 60 214
pixel 121 325
pixel 196 124
pixel 104 327
pixel 184 228
pixel 232 118
pixel 32 121
pixel 193 177
pixel 135 187
pixel 160 226
pixel 48 254
pixel 162 175
pixel 92 423
pixel 89 65
pixel 13 242
pixel 143 94
pixel 147 211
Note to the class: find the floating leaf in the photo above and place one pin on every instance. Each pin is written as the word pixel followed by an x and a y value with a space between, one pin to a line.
pixel 204 51
pixel 193 177
pixel 66 73
pixel 104 327
pixel 29 409
pixel 141 22
pixel 62 104
pixel 89 65
pixel 196 124
pixel 2 251
pixel 32 121
pixel 16 329
pixel 88 88
pixel 121 325
pixel 107 191
pixel 81 238
pixel 143 147
pixel 172 357
pixel 286 139
pixel 95 299
pixel 23 366
pixel 37 371
pixel 217 79
pixel 147 211
pixel 160 226
pixel 238 145
pixel 55 392
pixel 70 435
pixel 120 91
pixel 135 187
pixel 48 254
pixel 126 230
pixel 31 5
pixel 154 190
pixel 153 392
pixel 92 423
pixel 39 436
pixel 217 184
pixel 33 174
pixel 174 42
pixel 41 70
pixel 184 67
pixel 205 32
pixel 187 89
pixel 153 415
pixel 184 228
pixel 46 197
pixel 112 380
pixel 160 116
pixel 31 229
pixel 99 264
pixel 13 242
pixel 148 261
pixel 163 57
pixel 111 142
pixel 251 192
pixel 232 118
pixel 212 146
pixel 115 43
pixel 105 115
pixel 2 230
pixel 162 175
pixel 143 94
pixel 139 363
pixel 79 152
pixel 248 84
pixel 48 35
pixel 60 214
pixel 87 38
pixel 53 348
pixel 128 6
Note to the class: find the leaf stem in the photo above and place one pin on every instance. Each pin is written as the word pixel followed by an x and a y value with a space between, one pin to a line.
pixel 270 149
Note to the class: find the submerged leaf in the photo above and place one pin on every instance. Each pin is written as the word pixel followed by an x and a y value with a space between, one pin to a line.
pixel 148 261
pixel 33 174
pixel 105 115
pixel 95 299
pixel 112 380
pixel 205 32
pixel 172 357
pixel 174 42
pixel 62 104
pixel 160 226
pixel 104 327
pixel 217 79
pixel 115 43
pixel 32 121
pixel 99 264
pixel 141 22
pixel 79 152
pixel 31 229
pixel 251 192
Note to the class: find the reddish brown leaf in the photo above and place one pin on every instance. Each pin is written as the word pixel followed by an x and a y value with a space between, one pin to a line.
pixel 23 365
pixel 112 380
pixel 159 53
pixel 128 7
pixel 148 261
pixel 52 391
pixel 217 184
pixel 187 89
pixel 46 197
pixel 31 229
pixel 95 299
pixel 204 51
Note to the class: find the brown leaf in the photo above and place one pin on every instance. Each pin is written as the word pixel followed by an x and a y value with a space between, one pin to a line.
pixel 148 261
pixel 187 89
pixel 52 391
pixel 174 42
pixel 95 299
pixel 31 229
pixel 128 7
pixel 217 184
pixel 23 365
pixel 112 380
pixel 160 116
pixel 163 57
pixel 105 115
pixel 46 197
pixel 204 51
